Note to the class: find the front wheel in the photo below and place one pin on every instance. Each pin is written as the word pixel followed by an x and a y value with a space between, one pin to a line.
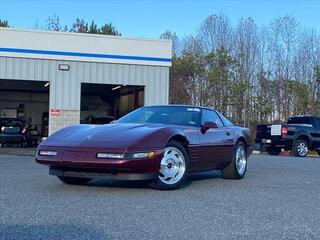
pixel 173 168
pixel 238 166
pixel 74 180
pixel 300 148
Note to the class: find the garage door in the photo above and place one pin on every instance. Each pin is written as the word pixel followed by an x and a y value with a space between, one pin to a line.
pixel 102 103
pixel 27 101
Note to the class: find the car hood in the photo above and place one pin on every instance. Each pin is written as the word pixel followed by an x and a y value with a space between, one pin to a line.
pixel 110 136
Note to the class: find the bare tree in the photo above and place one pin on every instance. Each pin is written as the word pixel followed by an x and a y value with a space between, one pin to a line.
pixel 53 23
pixel 252 74
pixel 79 26
pixel 246 51
pixel 216 32
pixel 175 41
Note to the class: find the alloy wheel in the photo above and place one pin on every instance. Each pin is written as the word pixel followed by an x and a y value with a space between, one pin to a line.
pixel 241 159
pixel 172 166
pixel 302 149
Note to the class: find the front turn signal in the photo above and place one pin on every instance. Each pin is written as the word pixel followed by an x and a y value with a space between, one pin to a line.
pixel 151 154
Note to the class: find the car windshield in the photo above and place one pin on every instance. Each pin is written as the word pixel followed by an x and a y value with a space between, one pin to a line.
pixel 179 115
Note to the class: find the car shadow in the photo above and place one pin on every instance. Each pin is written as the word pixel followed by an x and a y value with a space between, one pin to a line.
pixel 119 184
pixel 205 175
pixel 50 231
pixel 147 184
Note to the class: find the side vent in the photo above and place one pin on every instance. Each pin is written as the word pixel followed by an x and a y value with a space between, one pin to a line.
pixel 194 154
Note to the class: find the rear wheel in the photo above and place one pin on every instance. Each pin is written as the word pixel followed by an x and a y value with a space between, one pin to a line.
pixel 273 151
pixel 238 167
pixel 300 148
pixel 74 180
pixel 174 167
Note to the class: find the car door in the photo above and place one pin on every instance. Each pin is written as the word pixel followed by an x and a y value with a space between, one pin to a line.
pixel 216 144
pixel 315 134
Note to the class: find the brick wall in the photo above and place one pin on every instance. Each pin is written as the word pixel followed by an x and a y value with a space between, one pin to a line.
pixel 66 118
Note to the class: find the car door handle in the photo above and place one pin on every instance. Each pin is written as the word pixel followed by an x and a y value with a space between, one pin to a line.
pixel 228 140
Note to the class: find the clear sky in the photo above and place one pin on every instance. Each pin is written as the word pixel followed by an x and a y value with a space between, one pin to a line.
pixel 146 18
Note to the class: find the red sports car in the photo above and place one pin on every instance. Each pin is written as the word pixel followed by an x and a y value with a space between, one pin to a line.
pixel 159 143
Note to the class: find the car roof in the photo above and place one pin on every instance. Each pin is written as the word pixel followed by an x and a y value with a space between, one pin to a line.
pixel 305 116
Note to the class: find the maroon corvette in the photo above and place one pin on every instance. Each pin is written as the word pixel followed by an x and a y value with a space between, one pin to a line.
pixel 159 143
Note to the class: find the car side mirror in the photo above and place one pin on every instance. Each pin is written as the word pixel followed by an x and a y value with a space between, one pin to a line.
pixel 207 125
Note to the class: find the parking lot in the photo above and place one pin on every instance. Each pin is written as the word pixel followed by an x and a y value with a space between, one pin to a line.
pixel 278 199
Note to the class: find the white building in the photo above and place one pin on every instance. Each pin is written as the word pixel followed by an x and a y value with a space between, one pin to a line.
pixel 72 78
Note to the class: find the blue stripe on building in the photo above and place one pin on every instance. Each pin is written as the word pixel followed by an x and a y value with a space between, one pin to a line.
pixel 85 55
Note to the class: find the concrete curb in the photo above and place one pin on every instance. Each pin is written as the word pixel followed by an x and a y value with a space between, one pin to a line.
pixel 18 151
pixel 283 153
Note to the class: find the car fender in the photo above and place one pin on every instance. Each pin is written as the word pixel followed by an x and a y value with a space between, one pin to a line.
pixel 302 133
pixel 159 138
pixel 244 133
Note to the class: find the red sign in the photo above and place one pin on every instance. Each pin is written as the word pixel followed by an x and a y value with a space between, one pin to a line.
pixel 55 112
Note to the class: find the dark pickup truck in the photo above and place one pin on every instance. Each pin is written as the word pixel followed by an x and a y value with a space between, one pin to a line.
pixel 299 135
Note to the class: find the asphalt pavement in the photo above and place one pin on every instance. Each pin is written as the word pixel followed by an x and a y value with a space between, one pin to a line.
pixel 278 199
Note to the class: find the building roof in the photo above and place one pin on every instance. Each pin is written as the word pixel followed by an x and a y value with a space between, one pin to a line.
pixel 84 47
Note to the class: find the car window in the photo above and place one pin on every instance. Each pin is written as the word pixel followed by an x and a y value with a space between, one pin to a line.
pixel 164 114
pixel 211 116
pixel 226 121
pixel 300 120
pixel 144 116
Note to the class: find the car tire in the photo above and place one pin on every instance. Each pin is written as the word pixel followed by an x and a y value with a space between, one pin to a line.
pixel 274 151
pixel 237 168
pixel 174 167
pixel 74 180
pixel 300 148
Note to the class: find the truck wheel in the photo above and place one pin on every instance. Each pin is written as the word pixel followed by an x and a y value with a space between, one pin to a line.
pixel 300 148
pixel 274 151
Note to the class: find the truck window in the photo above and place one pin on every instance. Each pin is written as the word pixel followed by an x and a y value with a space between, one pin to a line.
pixel 300 120
pixel 317 121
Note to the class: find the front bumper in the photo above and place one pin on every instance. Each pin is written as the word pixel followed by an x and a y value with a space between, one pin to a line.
pixel 12 138
pixel 85 164
pixel 97 173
